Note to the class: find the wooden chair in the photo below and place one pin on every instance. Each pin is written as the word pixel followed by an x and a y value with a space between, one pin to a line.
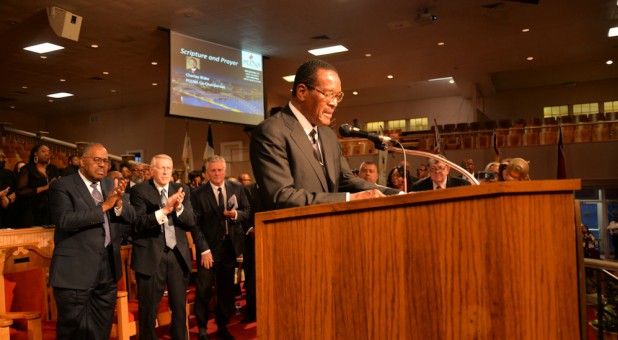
pixel 126 317
pixel 25 297
pixel 5 333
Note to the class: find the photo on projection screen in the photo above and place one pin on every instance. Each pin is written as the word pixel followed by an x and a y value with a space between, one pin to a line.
pixel 214 82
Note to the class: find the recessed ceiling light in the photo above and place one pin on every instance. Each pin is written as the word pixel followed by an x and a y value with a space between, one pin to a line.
pixel 94 46
pixel 113 91
pixel 452 81
pixel 390 76
pixel 50 100
pixel 609 62
pixel 62 79
pixel 289 79
pixel 367 55
pixel 12 107
pixel 530 58
pixel 154 84
pixel 328 50
pixel 43 48
pixel 613 32
pixel 60 95
pixel 355 93
pixel 105 72
pixel 441 43
pixel 525 30
pixel 441 78
pixel 43 57
pixel 24 87
pixel 154 63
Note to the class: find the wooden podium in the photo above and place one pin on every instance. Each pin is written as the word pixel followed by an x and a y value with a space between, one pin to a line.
pixel 495 261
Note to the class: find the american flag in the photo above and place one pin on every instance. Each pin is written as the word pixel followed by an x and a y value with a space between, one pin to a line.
pixel 561 171
pixel 437 144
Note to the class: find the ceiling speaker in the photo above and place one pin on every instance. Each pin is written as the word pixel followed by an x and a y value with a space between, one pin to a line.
pixel 64 23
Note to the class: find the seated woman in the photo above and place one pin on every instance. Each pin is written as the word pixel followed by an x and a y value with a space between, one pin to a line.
pixel 395 179
pixel 32 185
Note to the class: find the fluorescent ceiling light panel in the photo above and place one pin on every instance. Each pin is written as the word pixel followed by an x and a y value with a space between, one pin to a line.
pixel 43 48
pixel 613 32
pixel 289 79
pixel 60 95
pixel 328 50
pixel 443 78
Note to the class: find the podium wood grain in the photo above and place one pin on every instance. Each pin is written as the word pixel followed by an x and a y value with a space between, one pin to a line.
pixel 495 261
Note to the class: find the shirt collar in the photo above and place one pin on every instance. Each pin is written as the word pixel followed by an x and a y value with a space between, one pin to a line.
pixel 86 180
pixel 159 188
pixel 303 120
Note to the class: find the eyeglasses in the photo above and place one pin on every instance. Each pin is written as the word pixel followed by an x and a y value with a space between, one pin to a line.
pixel 330 95
pixel 437 169
pixel 99 161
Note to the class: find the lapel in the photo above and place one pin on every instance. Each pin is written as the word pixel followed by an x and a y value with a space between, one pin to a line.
pixel 83 191
pixel 300 138
pixel 210 196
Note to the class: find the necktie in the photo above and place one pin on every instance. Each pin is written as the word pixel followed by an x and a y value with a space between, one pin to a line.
pixel 221 204
pixel 98 199
pixel 316 148
pixel 168 226
pixel 438 187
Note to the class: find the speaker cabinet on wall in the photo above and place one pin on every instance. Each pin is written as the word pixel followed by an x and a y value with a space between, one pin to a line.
pixel 64 23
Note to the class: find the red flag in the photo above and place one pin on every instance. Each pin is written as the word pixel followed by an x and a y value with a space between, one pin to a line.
pixel 561 173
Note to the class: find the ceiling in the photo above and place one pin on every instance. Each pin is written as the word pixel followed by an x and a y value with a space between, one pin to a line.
pixel 484 47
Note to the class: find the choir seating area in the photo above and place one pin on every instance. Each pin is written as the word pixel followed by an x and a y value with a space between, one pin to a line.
pixel 503 133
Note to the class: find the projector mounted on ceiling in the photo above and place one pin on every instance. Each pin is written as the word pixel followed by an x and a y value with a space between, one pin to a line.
pixel 64 23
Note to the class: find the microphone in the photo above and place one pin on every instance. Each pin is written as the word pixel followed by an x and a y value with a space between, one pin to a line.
pixel 347 130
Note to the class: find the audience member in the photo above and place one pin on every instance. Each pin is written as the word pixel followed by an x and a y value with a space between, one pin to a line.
pixel 422 172
pixel 514 169
pixel 195 179
pixel 90 215
pixel 296 157
pixel 396 179
pixel 439 177
pixel 245 179
pixel 125 169
pixel 220 207
pixel 588 242
pixel 32 185
pixel 233 179
pixel 161 255
pixel 468 165
pixel 137 174
pixel 369 172
pixel 115 175
pixel 613 231
pixel 249 254
pixel 147 173
pixel 7 184
pixel 72 167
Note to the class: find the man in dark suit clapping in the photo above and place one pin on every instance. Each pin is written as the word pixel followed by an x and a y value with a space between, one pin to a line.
pixel 220 207
pixel 161 254
pixel 89 213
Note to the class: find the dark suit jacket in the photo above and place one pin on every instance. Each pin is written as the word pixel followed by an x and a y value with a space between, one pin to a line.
pixel 148 237
pixel 210 222
pixel 426 184
pixel 287 173
pixel 79 234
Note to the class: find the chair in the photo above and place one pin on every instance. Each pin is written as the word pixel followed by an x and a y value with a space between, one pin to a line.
pixel 4 329
pixel 25 298
pixel 125 318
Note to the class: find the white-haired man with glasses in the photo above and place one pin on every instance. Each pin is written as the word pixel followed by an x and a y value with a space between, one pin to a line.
pixel 439 177
pixel 296 157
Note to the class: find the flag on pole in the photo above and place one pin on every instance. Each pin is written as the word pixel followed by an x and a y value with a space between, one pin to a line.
pixel 209 150
pixel 437 145
pixel 496 150
pixel 187 156
pixel 561 173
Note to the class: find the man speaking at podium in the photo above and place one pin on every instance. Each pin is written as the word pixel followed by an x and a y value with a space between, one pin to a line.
pixel 295 155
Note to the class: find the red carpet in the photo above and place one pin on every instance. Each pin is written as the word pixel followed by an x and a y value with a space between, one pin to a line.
pixel 239 331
